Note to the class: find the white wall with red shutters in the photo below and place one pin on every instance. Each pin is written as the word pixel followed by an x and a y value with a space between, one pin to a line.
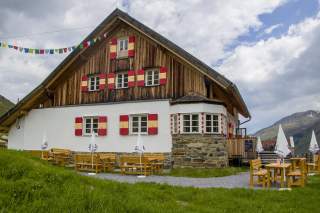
pixel 59 126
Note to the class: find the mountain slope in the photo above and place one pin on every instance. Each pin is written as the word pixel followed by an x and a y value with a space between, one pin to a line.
pixel 5 105
pixel 299 125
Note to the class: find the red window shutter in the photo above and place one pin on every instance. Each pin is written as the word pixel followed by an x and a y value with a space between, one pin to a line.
pixel 102 81
pixel 111 80
pixel 84 84
pixel 131 46
pixel 124 124
pixel 78 126
pixel 102 126
pixel 131 78
pixel 152 124
pixel 140 78
pixel 113 48
pixel 163 75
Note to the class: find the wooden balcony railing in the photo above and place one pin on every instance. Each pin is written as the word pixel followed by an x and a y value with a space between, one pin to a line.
pixel 122 64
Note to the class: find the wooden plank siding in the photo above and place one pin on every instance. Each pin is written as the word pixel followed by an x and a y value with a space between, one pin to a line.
pixel 181 78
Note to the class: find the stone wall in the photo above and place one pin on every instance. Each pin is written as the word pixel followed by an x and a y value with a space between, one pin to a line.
pixel 194 150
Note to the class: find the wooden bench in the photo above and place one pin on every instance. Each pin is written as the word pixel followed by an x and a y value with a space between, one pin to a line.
pixel 156 160
pixel 60 156
pixel 88 162
pixel 46 155
pixel 257 171
pixel 132 165
pixel 108 161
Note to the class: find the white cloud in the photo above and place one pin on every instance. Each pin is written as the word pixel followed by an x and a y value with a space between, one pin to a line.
pixel 278 75
pixel 261 61
pixel 272 28
pixel 203 27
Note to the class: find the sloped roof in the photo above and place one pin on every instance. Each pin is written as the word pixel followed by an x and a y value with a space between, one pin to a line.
pixel 195 98
pixel 118 14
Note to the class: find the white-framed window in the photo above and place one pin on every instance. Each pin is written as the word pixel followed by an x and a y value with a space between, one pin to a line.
pixel 212 123
pixel 174 123
pixel 90 125
pixel 122 80
pixel 190 123
pixel 93 83
pixel 122 47
pixel 152 77
pixel 139 124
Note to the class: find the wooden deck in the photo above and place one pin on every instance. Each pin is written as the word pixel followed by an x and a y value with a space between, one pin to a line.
pixel 242 148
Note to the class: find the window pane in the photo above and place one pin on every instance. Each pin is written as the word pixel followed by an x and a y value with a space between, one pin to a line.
pixel 215 123
pixel 208 117
pixel 143 118
pixel 195 117
pixel 186 123
pixel 208 123
pixel 208 129
pixel 143 129
pixel 195 129
pixel 135 129
pixel 88 131
pixel 215 129
pixel 186 117
pixel 126 44
pixel 186 129
pixel 195 123
pixel 135 118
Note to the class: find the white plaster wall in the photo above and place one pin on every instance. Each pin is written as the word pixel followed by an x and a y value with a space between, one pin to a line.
pixel 58 125
pixel 198 107
pixel 16 135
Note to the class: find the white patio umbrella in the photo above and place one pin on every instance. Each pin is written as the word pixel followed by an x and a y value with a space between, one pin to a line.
pixel 259 147
pixel 282 148
pixel 292 144
pixel 314 147
pixel 44 144
pixel 92 148
pixel 139 148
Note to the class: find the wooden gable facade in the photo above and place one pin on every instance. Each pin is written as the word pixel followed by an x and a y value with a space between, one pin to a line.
pixel 183 76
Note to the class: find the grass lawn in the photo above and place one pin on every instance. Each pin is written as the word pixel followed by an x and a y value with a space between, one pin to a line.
pixel 29 185
pixel 205 173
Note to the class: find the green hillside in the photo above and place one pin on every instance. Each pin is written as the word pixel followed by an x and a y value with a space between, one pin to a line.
pixel 30 185
pixel 5 105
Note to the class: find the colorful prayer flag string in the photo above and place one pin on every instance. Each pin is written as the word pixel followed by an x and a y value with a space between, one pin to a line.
pixel 49 51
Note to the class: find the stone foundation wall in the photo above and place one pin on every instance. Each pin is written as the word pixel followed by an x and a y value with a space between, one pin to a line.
pixel 203 151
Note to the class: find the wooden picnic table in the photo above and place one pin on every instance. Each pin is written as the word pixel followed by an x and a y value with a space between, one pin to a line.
pixel 275 167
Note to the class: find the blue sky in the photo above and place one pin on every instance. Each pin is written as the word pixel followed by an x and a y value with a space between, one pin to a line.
pixel 269 48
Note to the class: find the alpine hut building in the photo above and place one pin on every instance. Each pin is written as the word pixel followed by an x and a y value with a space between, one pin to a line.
pixel 131 81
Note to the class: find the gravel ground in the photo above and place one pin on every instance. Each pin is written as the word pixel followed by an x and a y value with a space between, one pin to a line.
pixel 240 180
